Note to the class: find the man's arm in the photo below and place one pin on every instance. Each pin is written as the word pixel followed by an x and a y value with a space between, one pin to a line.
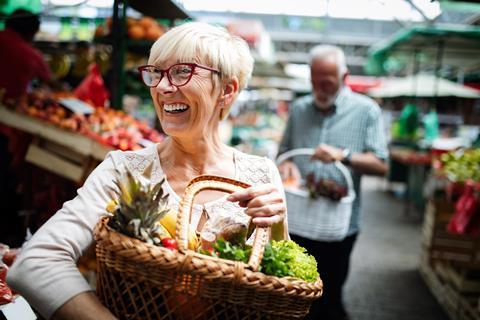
pixel 366 163
pixel 84 306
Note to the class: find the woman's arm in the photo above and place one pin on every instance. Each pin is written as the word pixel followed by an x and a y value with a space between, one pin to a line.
pixel 84 306
pixel 45 272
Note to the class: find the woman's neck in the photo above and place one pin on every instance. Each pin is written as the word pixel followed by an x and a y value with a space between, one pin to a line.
pixel 196 156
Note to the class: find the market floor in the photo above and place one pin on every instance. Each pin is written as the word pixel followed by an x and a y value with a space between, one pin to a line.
pixel 384 281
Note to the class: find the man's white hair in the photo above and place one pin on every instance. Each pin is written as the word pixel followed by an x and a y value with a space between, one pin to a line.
pixel 325 52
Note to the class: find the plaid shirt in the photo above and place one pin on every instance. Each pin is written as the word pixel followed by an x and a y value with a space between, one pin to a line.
pixel 355 123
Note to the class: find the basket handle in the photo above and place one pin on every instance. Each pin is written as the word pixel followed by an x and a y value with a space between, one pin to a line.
pixel 211 182
pixel 310 152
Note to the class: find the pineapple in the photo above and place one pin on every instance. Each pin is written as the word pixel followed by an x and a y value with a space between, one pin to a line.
pixel 140 206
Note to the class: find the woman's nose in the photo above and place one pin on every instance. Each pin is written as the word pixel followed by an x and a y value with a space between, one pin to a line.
pixel 164 86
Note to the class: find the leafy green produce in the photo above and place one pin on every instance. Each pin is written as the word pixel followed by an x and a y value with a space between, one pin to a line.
pixel 225 250
pixel 281 258
pixel 462 165
pixel 287 258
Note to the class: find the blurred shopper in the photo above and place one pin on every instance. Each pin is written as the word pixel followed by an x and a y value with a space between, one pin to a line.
pixel 20 62
pixel 340 125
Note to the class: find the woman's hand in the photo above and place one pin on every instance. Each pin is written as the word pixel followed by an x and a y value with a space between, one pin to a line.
pixel 264 203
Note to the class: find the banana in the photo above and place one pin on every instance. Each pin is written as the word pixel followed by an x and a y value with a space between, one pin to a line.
pixel 162 232
pixel 169 222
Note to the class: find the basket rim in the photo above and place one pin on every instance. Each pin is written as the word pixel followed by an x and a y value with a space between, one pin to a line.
pixel 103 234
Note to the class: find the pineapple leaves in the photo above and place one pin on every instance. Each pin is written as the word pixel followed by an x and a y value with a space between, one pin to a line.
pixel 140 206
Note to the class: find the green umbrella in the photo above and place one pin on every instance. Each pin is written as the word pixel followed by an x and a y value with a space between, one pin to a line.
pixel 8 6
pixel 457 47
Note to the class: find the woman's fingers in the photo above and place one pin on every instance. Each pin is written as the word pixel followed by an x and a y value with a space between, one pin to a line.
pixel 267 221
pixel 263 203
pixel 267 210
pixel 251 193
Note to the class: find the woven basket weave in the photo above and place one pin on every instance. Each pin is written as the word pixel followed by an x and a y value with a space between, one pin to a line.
pixel 141 281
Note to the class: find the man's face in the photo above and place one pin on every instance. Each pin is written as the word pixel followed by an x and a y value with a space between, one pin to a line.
pixel 326 82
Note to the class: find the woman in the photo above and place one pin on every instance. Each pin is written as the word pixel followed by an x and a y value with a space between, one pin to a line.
pixel 195 72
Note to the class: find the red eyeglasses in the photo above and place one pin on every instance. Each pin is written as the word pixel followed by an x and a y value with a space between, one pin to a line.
pixel 178 74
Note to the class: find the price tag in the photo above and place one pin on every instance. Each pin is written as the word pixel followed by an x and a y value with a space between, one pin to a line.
pixel 76 105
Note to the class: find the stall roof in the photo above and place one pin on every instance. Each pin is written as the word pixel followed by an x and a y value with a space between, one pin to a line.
pixel 422 85
pixel 461 48
pixel 160 9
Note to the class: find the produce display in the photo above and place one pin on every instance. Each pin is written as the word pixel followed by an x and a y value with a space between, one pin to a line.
pixel 462 165
pixel 142 212
pixel 7 256
pixel 145 28
pixel 462 169
pixel 110 127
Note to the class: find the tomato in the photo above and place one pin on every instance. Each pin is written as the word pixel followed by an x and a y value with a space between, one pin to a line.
pixel 10 256
pixel 169 243
pixel 3 272
pixel 5 294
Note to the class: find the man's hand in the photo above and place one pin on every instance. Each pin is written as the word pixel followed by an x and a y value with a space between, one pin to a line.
pixel 327 153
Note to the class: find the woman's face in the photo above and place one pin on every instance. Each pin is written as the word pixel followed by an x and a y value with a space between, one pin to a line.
pixel 190 110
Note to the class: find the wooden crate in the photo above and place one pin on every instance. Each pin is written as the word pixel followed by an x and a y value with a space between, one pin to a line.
pixel 457 305
pixel 463 250
pixel 446 298
pixel 468 311
pixel 60 160
pixel 463 280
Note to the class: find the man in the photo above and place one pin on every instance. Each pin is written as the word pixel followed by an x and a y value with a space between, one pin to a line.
pixel 19 61
pixel 340 125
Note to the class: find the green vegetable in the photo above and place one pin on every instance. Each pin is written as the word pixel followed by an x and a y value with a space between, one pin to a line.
pixel 462 165
pixel 281 258
pixel 286 258
pixel 236 252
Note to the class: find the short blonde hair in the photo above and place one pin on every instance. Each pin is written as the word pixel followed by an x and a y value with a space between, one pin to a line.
pixel 206 44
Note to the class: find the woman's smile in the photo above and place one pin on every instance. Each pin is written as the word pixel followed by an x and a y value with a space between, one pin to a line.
pixel 175 108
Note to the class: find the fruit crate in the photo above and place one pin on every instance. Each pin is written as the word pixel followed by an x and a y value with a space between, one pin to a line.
pixel 463 280
pixel 462 250
pixel 457 305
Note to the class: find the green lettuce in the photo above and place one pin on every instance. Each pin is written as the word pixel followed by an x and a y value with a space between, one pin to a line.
pixel 286 258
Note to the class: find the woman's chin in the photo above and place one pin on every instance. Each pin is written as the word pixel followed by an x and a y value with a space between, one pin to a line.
pixel 176 131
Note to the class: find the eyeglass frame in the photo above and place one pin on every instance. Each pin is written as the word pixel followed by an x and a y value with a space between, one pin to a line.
pixel 167 71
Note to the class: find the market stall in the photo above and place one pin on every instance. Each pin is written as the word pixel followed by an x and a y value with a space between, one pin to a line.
pixel 450 262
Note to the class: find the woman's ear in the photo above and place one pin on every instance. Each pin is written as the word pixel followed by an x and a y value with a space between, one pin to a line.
pixel 230 91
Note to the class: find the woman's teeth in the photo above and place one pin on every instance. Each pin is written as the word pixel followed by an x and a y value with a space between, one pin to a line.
pixel 175 108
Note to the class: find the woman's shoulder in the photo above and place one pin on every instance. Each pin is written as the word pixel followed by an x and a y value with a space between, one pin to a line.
pixel 253 169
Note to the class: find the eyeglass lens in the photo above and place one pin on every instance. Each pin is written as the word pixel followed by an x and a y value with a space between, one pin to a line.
pixel 178 75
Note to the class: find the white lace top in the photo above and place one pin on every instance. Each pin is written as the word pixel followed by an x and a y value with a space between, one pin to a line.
pixel 45 272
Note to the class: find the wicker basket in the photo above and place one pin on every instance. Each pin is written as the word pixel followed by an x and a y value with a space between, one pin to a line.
pixel 141 281
pixel 328 220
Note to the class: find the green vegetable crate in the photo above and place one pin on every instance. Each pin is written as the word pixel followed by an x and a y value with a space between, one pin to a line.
pixel 141 281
